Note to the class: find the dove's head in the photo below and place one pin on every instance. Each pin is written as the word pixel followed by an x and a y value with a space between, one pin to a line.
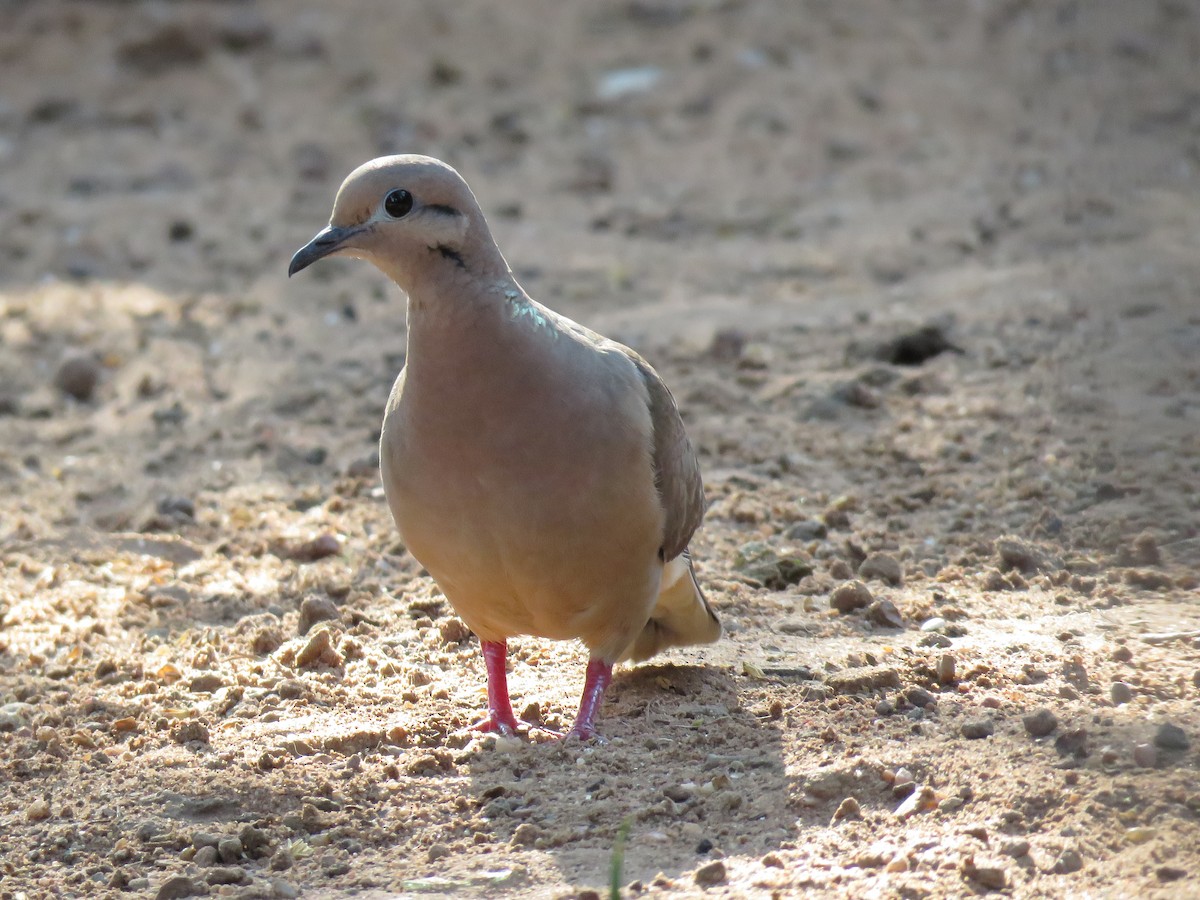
pixel 413 217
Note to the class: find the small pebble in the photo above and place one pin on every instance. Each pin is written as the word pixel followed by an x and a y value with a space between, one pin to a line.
pixel 207 683
pixel 229 849
pixel 180 230
pixel 847 809
pixel 205 856
pixel 979 832
pixel 1015 848
pixel 1121 693
pixel 934 639
pixel 1068 861
pixel 1171 737
pixel 176 507
pixel 1040 722
pixel 1145 756
pixel 884 612
pixel 266 640
pixel 919 800
pixel 453 630
pixel 840 570
pixel 875 856
pixel 883 567
pixel 226 875
pixel 191 732
pixel 986 872
pixel 807 530
pixel 525 835
pixel 936 624
pixel 1170 873
pixel 678 793
pixel 319 651
pixel 950 804
pixel 77 375
pixel 310 551
pixel 255 841
pixel 1015 553
pixel 1072 743
pixel 205 839
pixel 919 697
pixel 37 811
pixel 1144 551
pixel 974 729
pixel 314 610
pixel 711 873
pixel 149 830
pixel 1122 654
pixel 848 597
pixel 946 666
pixel 178 886
pixel 532 713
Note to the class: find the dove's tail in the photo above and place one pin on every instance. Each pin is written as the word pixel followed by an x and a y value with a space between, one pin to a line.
pixel 681 616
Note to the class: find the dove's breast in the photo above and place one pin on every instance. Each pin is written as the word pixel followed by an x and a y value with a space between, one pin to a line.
pixel 520 475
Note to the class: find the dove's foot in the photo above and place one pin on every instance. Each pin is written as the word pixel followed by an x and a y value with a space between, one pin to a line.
pixel 599 674
pixel 495 722
pixel 499 718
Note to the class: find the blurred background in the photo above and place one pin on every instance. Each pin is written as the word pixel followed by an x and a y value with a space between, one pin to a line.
pixel 761 182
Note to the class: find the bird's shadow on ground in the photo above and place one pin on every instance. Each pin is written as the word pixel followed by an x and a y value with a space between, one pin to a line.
pixel 685 765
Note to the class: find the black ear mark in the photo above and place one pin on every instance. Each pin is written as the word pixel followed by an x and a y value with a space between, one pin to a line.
pixel 451 254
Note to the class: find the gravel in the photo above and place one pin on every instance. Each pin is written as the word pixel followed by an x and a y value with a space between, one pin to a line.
pixel 1121 693
pixel 1145 756
pixel 974 729
pixel 711 874
pixel 77 375
pixel 1169 736
pixel 179 886
pixel 1040 722
pixel 881 567
pixel 851 596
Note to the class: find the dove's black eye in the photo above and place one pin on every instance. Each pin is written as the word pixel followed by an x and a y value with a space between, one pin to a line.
pixel 398 203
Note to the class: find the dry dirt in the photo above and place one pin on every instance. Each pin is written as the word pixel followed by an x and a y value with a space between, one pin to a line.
pixel 761 197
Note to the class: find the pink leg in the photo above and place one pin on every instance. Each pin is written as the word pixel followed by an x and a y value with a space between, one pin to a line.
pixel 599 674
pixel 500 716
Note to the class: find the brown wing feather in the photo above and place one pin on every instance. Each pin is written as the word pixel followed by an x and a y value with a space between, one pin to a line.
pixel 676 469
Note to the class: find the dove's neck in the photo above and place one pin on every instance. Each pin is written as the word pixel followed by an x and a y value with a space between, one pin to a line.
pixel 459 321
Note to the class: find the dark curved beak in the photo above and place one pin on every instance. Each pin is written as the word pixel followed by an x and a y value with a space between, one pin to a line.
pixel 327 240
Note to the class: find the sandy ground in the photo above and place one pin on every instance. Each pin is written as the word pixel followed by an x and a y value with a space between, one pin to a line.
pixel 220 671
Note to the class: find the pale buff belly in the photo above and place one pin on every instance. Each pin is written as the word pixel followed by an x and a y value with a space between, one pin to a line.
pixel 562 547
